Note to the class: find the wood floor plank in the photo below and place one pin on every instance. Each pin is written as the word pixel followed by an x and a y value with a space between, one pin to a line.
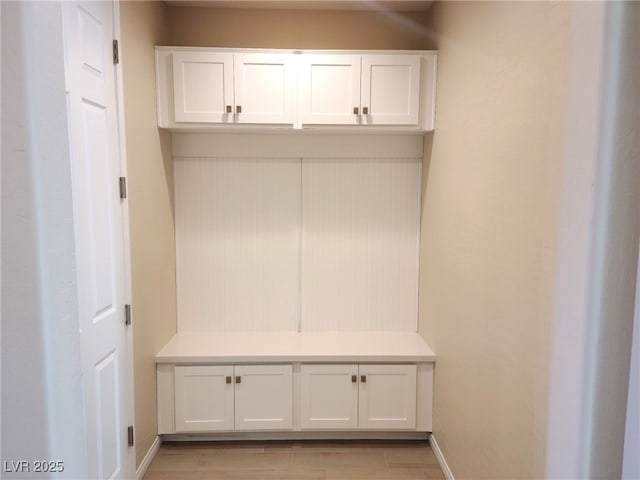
pixel 410 457
pixel 338 459
pixel 185 462
pixel 229 460
pixel 375 474
pixel 238 475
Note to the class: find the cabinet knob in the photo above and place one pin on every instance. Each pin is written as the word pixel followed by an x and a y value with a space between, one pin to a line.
pixel 363 378
pixel 228 379
pixel 365 110
pixel 238 108
pixel 355 110
pixel 229 109
pixel 238 379
pixel 354 378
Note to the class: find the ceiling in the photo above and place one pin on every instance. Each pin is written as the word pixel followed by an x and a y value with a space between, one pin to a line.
pixel 391 5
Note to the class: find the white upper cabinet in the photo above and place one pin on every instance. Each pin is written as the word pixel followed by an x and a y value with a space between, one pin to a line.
pixel 390 89
pixel 361 90
pixel 330 89
pixel 203 87
pixel 212 87
pixel 265 88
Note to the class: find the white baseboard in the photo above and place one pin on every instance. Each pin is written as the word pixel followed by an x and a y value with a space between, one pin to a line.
pixel 146 461
pixel 440 457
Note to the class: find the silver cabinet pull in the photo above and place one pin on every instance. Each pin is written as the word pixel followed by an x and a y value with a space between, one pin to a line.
pixel 363 378
pixel 239 109
pixel 238 379
pixel 365 110
pixel 228 108
pixel 354 378
pixel 355 110
pixel 228 379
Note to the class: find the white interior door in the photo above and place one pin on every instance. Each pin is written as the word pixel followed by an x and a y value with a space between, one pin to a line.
pixel 264 397
pixel 204 398
pixel 390 89
pixel 330 89
pixel 387 397
pixel 264 87
pixel 96 166
pixel 329 396
pixel 203 87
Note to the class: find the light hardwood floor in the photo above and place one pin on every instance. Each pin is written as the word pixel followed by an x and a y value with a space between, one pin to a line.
pixel 309 460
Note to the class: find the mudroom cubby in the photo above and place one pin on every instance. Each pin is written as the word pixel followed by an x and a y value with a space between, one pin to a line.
pixel 297 244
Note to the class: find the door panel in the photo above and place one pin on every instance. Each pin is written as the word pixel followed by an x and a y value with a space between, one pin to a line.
pixel 106 374
pixel 203 86
pixel 264 88
pixel 329 397
pixel 264 397
pixel 203 398
pixel 99 179
pixel 391 89
pixel 99 237
pixel 330 89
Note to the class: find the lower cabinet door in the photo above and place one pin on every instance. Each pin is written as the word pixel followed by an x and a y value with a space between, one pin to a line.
pixel 387 397
pixel 329 397
pixel 264 397
pixel 203 398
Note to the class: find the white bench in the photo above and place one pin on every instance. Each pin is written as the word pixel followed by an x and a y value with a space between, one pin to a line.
pixel 295 385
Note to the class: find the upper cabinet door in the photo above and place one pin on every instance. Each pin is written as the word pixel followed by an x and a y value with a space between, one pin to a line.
pixel 390 89
pixel 203 87
pixel 330 89
pixel 264 88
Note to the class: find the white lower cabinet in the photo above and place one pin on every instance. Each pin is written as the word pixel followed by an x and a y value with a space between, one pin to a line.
pixel 378 397
pixel 329 397
pixel 227 398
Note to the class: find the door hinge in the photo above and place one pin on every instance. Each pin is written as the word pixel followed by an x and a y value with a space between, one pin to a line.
pixel 130 435
pixel 123 187
pixel 127 314
pixel 116 53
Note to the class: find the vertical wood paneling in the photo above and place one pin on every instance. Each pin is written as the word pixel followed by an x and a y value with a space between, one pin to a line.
pixel 237 242
pixel 360 236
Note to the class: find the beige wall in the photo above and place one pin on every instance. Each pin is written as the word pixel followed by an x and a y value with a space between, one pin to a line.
pixel 150 188
pixel 207 27
pixel 489 229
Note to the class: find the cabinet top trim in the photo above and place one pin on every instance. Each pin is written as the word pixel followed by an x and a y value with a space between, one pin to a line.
pixel 185 145
pixel 288 347
pixel 295 51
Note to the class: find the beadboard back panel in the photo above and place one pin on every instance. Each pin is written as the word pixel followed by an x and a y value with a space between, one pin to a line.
pixel 360 243
pixel 290 243
pixel 237 244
